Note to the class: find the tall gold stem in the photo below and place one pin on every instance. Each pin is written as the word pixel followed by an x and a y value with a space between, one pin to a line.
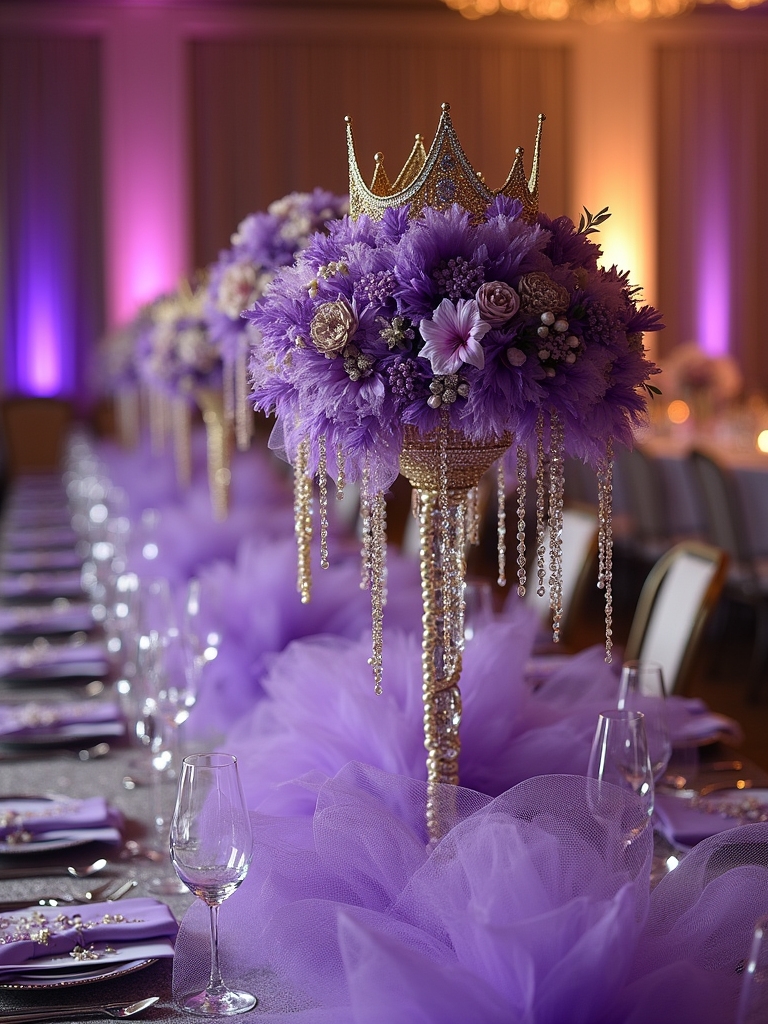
pixel 217 432
pixel 443 467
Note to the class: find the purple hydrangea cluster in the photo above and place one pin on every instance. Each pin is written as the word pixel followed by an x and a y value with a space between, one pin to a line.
pixel 489 323
pixel 263 243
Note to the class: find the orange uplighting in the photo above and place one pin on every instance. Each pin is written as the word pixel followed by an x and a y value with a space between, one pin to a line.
pixel 678 411
pixel 762 441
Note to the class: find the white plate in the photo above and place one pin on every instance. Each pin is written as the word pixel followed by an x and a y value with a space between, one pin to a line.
pixel 103 973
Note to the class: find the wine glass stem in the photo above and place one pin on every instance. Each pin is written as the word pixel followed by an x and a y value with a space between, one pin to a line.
pixel 215 982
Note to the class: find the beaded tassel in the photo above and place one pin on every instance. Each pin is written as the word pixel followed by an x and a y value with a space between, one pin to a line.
pixel 341 479
pixel 182 441
pixel 556 488
pixel 228 390
pixel 541 507
pixel 472 525
pixel 501 528
pixel 365 518
pixel 322 486
pixel 378 554
pixel 605 541
pixel 302 511
pixel 243 417
pixel 522 480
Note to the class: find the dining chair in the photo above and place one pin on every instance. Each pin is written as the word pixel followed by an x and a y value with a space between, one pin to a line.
pixel 639 486
pixel 579 557
pixel 747 579
pixel 677 598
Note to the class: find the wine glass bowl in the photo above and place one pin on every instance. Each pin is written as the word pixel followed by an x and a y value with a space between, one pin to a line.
pixel 211 850
pixel 641 688
pixel 619 758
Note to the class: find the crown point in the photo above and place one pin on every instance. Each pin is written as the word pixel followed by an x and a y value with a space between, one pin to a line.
pixel 519 151
pixel 445 107
pixel 419 137
pixel 378 157
pixel 347 119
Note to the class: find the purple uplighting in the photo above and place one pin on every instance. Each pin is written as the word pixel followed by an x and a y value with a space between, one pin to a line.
pixel 713 284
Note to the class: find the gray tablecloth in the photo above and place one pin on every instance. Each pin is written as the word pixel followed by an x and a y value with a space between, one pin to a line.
pixel 100 777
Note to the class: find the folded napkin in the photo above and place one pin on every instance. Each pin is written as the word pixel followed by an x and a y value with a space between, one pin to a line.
pixel 49 659
pixel 44 584
pixel 26 561
pixel 687 823
pixel 26 819
pixel 21 516
pixel 60 616
pixel 29 934
pixel 39 537
pixel 66 718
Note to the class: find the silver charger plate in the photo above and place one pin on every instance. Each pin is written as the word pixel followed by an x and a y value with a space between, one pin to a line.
pixel 66 979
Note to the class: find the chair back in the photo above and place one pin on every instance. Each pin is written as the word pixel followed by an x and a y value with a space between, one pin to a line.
pixel 579 553
pixel 646 496
pixel 676 600
pixel 726 524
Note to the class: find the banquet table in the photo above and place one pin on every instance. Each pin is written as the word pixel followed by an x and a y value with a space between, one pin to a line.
pixel 103 776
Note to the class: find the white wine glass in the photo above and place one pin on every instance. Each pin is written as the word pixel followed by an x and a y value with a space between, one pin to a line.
pixel 619 758
pixel 211 849
pixel 641 688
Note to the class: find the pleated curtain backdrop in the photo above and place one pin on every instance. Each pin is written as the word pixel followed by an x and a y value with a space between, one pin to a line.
pixel 713 203
pixel 50 211
pixel 267 116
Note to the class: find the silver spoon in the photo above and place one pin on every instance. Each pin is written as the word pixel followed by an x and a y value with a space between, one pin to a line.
pixel 115 1010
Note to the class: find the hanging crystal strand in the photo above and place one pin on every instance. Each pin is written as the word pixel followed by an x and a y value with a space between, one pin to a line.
pixel 501 527
pixel 556 489
pixel 378 551
pixel 605 541
pixel 541 506
pixel 472 525
pixel 444 538
pixel 156 402
pixel 522 482
pixel 243 417
pixel 228 389
pixel 302 511
pixel 365 517
pixel 322 485
pixel 341 479
pixel 181 440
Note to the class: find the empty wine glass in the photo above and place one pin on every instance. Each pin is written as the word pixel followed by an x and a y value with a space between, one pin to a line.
pixel 202 630
pixel 211 849
pixel 619 757
pixel 642 689
pixel 753 1000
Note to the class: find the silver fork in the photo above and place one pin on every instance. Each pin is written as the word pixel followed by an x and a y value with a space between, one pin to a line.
pixel 108 892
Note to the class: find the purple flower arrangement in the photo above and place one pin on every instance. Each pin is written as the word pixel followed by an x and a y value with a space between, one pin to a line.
pixel 497 325
pixel 175 353
pixel 262 244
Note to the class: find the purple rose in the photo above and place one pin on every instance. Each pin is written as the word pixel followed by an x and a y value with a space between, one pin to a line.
pixel 497 302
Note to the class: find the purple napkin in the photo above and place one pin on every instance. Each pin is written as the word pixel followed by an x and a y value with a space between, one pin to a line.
pixel 41 656
pixel 682 823
pixel 26 561
pixel 28 934
pixel 39 537
pixel 43 584
pixel 24 818
pixel 60 616
pixel 32 719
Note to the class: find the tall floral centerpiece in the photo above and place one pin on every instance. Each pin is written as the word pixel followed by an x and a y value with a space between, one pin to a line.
pixel 181 365
pixel 440 329
pixel 263 243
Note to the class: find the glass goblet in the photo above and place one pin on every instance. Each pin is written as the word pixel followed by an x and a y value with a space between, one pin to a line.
pixel 619 758
pixel 642 689
pixel 211 849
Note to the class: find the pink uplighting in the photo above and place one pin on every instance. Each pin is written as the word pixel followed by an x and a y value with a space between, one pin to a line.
pixel 713 300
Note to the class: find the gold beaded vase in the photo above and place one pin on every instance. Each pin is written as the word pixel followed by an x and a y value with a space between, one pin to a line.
pixel 443 467
pixel 218 441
